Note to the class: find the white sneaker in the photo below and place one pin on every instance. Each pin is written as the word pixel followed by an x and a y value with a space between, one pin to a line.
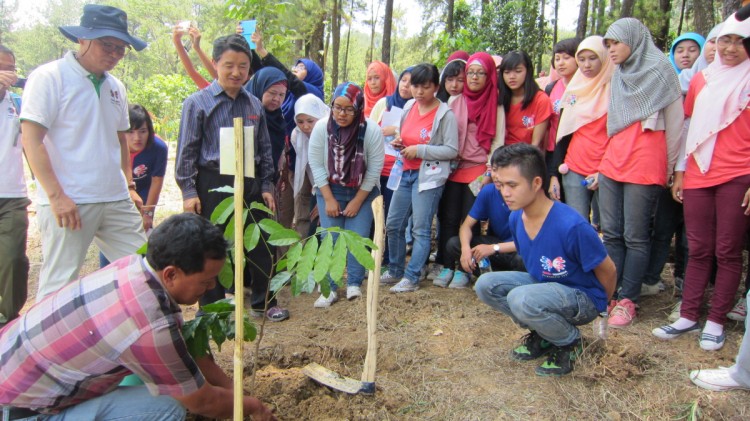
pixel 647 289
pixel 353 292
pixel 717 379
pixel 739 311
pixel 325 302
pixel 434 271
pixel 405 286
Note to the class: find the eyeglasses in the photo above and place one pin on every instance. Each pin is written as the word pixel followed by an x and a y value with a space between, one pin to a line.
pixel 476 74
pixel 726 41
pixel 111 48
pixel 346 110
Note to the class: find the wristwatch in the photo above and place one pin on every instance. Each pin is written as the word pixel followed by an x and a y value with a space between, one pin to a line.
pixel 496 247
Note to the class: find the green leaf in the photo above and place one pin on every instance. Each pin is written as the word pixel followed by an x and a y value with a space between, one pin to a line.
pixel 323 259
pixel 222 211
pixel 270 226
pixel 198 343
pixel 262 207
pixel 325 288
pixel 218 332
pixel 250 332
pixel 278 281
pixel 293 255
pixel 358 250
pixel 281 265
pixel 305 265
pixel 223 189
pixel 252 236
pixel 229 230
pixel 284 237
pixel 142 249
pixel 188 329
pixel 220 306
pixel 226 274
pixel 338 260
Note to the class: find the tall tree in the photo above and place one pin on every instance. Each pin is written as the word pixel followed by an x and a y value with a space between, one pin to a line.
pixel 554 30
pixel 728 7
pixel 385 54
pixel 449 17
pixel 704 15
pixel 336 41
pixel 627 8
pixel 582 19
pixel 662 34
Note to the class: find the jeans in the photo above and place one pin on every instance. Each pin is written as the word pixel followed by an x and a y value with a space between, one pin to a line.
pixel 668 221
pixel 409 201
pixel 498 261
pixel 626 212
pixel 577 196
pixel 122 404
pixel 361 223
pixel 716 226
pixel 455 204
pixel 550 309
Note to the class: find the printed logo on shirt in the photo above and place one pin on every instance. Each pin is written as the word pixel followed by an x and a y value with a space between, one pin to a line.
pixel 114 97
pixel 553 268
pixel 528 121
pixel 11 112
pixel 423 134
pixel 556 106
pixel 140 171
pixel 572 100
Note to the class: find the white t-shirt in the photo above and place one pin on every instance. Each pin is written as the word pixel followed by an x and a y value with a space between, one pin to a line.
pixel 82 128
pixel 12 184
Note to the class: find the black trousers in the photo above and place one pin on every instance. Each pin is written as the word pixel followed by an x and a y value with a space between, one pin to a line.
pixel 259 261
pixel 455 204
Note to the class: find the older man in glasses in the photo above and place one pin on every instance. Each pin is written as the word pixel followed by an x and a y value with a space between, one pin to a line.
pixel 73 122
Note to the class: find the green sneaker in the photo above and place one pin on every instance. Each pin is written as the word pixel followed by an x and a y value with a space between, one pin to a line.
pixel 531 348
pixel 561 360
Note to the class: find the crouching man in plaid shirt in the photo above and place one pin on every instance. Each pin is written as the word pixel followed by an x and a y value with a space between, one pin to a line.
pixel 64 358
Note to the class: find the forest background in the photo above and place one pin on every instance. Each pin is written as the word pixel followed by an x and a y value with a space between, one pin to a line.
pixel 342 36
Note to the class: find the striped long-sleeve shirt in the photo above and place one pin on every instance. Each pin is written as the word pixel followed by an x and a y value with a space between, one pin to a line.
pixel 204 113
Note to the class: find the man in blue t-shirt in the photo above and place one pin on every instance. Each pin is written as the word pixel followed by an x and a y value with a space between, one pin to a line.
pixel 570 276
pixel 470 249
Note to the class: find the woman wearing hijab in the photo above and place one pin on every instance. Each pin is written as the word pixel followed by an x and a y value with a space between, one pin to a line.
pixel 481 128
pixel 346 157
pixel 428 142
pixel 685 51
pixel 713 185
pixel 380 83
pixel 706 57
pixel 644 123
pixel 307 111
pixel 583 123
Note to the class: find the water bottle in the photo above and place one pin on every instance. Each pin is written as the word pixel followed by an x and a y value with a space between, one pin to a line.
pixel 395 178
pixel 484 266
pixel 601 325
pixel 587 182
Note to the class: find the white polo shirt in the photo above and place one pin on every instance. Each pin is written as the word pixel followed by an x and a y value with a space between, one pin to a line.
pixel 12 184
pixel 82 128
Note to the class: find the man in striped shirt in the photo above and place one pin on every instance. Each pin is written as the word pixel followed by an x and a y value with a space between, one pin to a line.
pixel 69 352
pixel 204 113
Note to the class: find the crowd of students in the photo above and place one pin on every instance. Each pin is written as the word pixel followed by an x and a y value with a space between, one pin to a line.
pixel 584 183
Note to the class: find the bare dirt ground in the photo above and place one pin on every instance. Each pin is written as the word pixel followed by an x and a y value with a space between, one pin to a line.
pixel 443 355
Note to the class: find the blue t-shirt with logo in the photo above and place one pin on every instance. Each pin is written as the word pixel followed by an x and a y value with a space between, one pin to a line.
pixel 490 206
pixel 566 250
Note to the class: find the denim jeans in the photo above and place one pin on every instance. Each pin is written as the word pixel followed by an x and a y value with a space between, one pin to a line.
pixel 626 212
pixel 122 404
pixel 668 221
pixel 577 196
pixel 409 201
pixel 551 309
pixel 360 224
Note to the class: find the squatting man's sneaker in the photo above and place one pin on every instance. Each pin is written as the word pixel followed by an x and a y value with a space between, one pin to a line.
pixel 532 347
pixel 717 379
pixel 561 359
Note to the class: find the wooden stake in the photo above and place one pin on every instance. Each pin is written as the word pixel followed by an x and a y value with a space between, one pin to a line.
pixel 239 259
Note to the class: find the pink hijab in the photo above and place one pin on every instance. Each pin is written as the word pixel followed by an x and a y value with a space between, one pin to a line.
pixel 482 106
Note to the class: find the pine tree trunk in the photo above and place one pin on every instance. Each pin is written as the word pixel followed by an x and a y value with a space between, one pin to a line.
pixel 728 7
pixel 660 38
pixel 385 54
pixel 335 41
pixel 704 15
pixel 449 18
pixel 627 8
pixel 583 12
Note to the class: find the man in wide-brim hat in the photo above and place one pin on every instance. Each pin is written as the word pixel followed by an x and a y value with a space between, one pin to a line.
pixel 73 122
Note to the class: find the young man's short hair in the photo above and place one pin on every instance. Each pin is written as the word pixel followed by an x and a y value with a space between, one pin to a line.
pixel 232 42
pixel 527 158
pixel 185 240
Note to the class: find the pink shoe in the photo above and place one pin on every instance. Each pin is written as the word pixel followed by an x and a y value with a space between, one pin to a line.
pixel 622 315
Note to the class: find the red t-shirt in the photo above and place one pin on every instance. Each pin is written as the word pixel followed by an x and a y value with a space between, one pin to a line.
pixel 731 157
pixel 636 156
pixel 554 119
pixel 587 147
pixel 519 124
pixel 416 130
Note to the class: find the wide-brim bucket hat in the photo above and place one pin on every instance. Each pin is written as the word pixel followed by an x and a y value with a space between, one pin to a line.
pixel 102 21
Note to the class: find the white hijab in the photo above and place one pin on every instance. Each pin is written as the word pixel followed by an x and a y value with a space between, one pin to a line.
pixel 310 105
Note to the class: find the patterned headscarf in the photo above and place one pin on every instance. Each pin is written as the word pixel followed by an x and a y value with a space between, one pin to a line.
pixel 644 83
pixel 346 145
